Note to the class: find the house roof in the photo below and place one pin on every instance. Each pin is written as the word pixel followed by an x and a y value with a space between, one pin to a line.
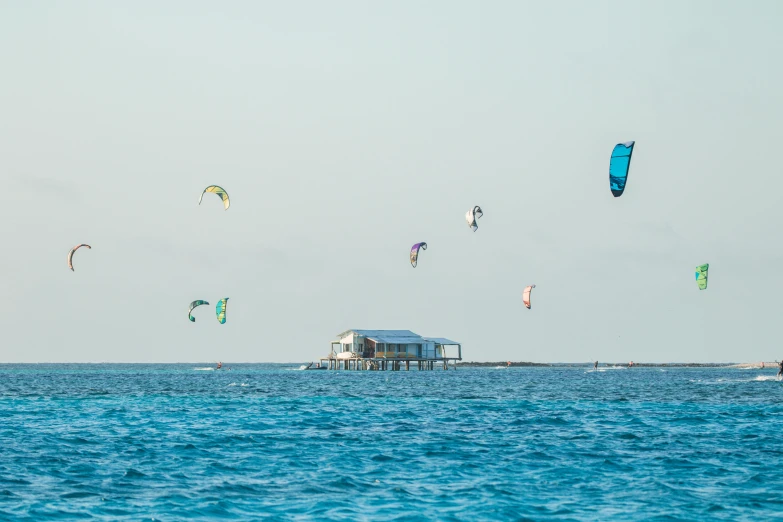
pixel 397 337
pixel 440 340
pixel 380 333
pixel 397 340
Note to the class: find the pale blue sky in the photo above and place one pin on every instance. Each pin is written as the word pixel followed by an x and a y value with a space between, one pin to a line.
pixel 347 131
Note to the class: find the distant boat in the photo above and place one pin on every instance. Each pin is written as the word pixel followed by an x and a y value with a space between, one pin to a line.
pixel 311 367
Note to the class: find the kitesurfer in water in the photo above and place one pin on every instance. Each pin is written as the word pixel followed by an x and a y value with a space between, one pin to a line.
pixel 780 370
pixel 219 366
pixel 595 366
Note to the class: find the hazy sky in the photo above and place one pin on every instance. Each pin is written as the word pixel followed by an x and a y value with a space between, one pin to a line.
pixel 345 132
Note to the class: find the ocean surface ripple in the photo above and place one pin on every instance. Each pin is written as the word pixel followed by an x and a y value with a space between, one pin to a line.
pixel 170 442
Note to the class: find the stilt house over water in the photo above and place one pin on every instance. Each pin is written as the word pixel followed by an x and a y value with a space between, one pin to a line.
pixel 390 349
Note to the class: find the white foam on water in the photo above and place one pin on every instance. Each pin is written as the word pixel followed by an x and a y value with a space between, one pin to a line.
pixel 210 369
pixel 758 378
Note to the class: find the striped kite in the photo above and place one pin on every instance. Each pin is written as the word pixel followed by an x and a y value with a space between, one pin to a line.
pixel 220 310
pixel 219 191
pixel 701 276
pixel 618 167
pixel 70 254
pixel 526 295
pixel 193 305
pixel 472 215
pixel 415 252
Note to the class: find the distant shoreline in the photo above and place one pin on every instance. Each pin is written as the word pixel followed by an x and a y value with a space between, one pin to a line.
pixel 767 365
pixel 464 364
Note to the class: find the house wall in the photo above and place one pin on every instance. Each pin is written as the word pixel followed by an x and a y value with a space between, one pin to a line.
pixel 353 343
pixel 346 343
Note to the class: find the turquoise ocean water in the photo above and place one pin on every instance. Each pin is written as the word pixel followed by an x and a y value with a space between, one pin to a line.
pixel 170 442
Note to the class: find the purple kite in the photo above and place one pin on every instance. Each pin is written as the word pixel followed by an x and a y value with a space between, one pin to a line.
pixel 415 252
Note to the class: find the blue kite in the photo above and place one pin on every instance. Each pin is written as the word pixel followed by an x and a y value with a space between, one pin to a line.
pixel 618 167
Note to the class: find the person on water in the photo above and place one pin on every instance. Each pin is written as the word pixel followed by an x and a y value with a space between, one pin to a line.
pixel 780 371
pixel 595 366
pixel 220 365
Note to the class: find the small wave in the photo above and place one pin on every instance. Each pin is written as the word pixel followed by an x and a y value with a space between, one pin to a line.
pixel 242 384
pixel 758 378
pixel 210 369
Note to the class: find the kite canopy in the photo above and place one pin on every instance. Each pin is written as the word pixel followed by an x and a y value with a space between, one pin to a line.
pixel 415 252
pixel 70 254
pixel 526 295
pixel 193 305
pixel 701 276
pixel 219 191
pixel 472 216
pixel 618 167
pixel 220 310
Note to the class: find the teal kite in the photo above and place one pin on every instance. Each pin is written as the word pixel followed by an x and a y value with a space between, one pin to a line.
pixel 619 164
pixel 220 310
pixel 193 305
